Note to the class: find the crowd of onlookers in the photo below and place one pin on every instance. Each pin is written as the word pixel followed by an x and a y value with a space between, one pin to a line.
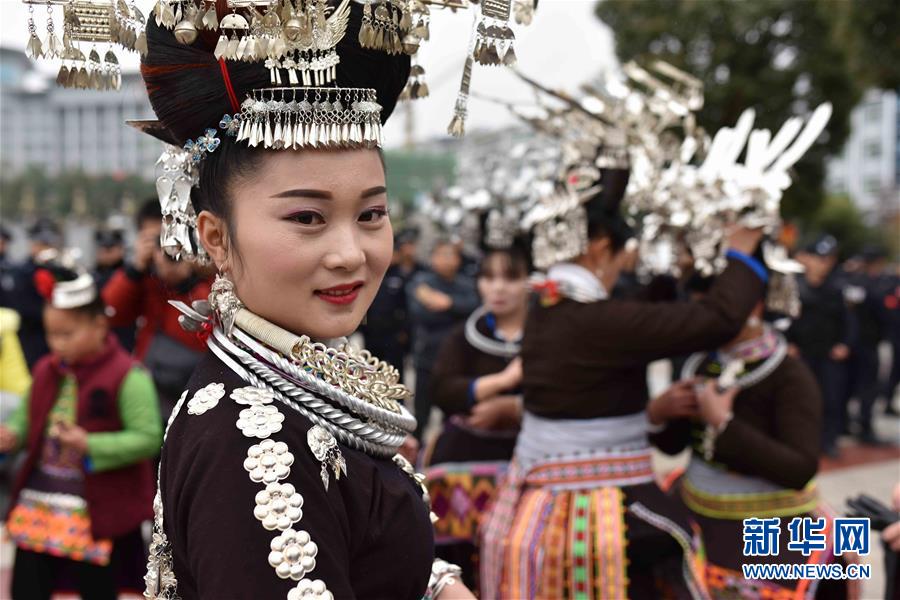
pixel 850 310
pixel 850 315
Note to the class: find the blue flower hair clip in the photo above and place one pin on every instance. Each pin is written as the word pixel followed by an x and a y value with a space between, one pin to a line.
pixel 230 125
pixel 206 143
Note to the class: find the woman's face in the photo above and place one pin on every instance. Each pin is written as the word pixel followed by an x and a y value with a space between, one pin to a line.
pixel 501 292
pixel 313 239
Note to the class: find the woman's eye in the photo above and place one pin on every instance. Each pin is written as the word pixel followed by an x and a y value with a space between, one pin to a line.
pixel 373 215
pixel 308 218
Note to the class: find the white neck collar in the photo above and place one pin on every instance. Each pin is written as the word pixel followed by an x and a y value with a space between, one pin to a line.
pixel 578 283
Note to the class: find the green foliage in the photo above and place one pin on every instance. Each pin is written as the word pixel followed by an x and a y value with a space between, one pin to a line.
pixel 411 173
pixel 869 29
pixel 781 57
pixel 72 194
pixel 840 217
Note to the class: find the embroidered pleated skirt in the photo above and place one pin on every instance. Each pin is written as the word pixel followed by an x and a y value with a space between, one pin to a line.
pixel 589 524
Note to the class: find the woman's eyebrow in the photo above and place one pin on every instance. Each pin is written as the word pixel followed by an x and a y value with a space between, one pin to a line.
pixel 375 191
pixel 301 193
pixel 325 194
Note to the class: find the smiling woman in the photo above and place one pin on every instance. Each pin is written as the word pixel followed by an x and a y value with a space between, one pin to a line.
pixel 279 475
pixel 312 244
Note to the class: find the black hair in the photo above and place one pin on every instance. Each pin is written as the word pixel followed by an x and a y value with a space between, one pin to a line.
pixel 517 261
pixel 603 209
pixel 443 240
pixel 149 211
pixel 187 90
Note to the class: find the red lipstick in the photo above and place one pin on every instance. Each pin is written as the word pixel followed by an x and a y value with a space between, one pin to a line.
pixel 340 294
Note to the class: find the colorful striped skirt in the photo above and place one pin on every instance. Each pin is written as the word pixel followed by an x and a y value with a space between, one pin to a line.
pixel 557 529
pixel 720 500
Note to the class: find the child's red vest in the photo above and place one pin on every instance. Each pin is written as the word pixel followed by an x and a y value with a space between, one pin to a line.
pixel 119 499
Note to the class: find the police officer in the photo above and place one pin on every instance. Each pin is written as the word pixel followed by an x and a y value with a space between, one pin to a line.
pixel 865 297
pixel 110 254
pixel 43 235
pixel 822 334
pixel 387 329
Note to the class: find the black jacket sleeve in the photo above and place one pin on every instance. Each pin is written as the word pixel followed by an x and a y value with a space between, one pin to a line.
pixel 645 331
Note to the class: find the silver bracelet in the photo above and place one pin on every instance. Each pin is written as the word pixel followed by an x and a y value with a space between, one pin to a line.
pixel 711 434
pixel 442 575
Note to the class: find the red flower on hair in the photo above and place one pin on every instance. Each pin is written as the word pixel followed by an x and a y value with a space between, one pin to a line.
pixel 548 291
pixel 44 282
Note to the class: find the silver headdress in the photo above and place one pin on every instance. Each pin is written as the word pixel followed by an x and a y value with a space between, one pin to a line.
pixel 112 22
pixel 686 189
pixel 298 42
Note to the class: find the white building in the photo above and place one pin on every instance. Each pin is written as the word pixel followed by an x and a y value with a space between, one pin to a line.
pixel 868 169
pixel 63 130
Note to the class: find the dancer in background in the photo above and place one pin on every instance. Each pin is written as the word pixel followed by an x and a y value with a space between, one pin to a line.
pixel 580 490
pixel 752 416
pixel 476 383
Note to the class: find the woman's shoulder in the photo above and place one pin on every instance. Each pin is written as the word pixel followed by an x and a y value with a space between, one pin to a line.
pixel 794 372
pixel 243 431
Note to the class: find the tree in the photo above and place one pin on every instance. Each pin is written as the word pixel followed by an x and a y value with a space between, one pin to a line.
pixel 869 29
pixel 781 57
pixel 840 217
pixel 66 194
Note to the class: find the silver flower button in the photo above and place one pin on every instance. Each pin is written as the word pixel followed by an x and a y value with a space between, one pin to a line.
pixel 252 396
pixel 260 421
pixel 206 398
pixel 278 506
pixel 293 554
pixel 268 461
pixel 310 590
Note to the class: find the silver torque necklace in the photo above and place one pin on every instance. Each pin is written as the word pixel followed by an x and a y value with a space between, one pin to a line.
pixel 750 379
pixel 488 345
pixel 371 436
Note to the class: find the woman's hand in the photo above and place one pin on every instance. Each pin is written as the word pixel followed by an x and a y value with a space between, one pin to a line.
pixel 500 412
pixel 512 374
pixel 8 439
pixel 714 406
pixel 679 401
pixel 488 387
pixel 72 436
pixel 455 591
